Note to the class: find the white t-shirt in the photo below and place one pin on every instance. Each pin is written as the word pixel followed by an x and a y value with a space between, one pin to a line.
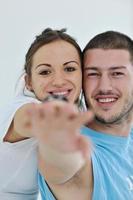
pixel 18 161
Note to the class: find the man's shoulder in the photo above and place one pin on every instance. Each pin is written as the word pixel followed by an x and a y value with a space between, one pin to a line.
pixel 131 133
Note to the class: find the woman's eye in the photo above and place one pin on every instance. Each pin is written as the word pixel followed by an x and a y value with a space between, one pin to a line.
pixel 45 72
pixel 70 69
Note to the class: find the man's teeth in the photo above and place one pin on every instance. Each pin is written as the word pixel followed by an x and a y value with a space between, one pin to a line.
pixel 106 100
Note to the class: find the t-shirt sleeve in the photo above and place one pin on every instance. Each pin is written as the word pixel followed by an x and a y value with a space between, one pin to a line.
pixel 7 113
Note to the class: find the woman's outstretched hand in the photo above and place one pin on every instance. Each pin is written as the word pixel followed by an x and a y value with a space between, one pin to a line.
pixel 57 124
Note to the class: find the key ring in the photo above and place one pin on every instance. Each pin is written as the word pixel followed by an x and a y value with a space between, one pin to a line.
pixel 53 97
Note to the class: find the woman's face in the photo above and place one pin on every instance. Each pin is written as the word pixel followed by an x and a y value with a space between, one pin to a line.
pixel 56 69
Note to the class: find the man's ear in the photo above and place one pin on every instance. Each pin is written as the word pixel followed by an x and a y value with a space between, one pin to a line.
pixel 28 83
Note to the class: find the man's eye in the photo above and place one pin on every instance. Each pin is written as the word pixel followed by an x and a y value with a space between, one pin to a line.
pixel 118 74
pixel 45 72
pixel 70 69
pixel 92 74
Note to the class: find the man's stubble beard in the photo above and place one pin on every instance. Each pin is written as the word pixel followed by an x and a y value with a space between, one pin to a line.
pixel 123 116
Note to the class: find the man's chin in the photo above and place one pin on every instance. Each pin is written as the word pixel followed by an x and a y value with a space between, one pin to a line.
pixel 105 120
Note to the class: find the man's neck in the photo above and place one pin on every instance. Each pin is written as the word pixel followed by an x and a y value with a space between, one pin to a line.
pixel 122 129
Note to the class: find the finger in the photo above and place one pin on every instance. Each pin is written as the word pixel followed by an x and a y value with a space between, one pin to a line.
pixel 83 118
pixel 60 109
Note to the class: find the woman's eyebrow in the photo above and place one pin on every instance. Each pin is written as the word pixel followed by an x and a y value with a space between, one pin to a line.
pixel 43 64
pixel 71 61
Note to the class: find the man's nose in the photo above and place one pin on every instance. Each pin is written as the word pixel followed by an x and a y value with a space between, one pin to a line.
pixel 105 83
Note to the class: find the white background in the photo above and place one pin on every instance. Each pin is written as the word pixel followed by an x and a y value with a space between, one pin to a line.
pixel 21 20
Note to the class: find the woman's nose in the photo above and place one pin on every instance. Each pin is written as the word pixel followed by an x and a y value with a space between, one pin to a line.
pixel 58 80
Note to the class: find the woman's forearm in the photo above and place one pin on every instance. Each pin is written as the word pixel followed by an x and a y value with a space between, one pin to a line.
pixel 64 165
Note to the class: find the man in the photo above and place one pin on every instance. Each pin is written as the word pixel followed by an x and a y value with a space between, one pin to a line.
pixel 105 158
pixel 108 89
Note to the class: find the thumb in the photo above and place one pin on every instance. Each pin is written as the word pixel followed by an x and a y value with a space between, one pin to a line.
pixel 85 146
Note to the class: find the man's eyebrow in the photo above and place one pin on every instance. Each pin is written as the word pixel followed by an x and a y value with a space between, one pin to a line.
pixel 111 68
pixel 117 67
pixel 91 68
pixel 43 64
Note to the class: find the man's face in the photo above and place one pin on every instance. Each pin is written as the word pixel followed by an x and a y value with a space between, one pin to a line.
pixel 108 84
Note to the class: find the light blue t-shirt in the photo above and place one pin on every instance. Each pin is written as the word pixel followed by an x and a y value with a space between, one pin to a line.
pixel 112 161
pixel 45 191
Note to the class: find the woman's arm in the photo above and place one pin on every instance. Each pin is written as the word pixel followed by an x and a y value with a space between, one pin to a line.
pixel 20 127
pixel 63 151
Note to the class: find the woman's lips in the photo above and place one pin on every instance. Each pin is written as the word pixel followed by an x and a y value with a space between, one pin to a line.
pixel 61 92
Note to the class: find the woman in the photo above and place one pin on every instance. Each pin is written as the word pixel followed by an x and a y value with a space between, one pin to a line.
pixel 52 66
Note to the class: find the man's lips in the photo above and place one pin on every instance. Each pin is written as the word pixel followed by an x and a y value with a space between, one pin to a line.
pixel 106 100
